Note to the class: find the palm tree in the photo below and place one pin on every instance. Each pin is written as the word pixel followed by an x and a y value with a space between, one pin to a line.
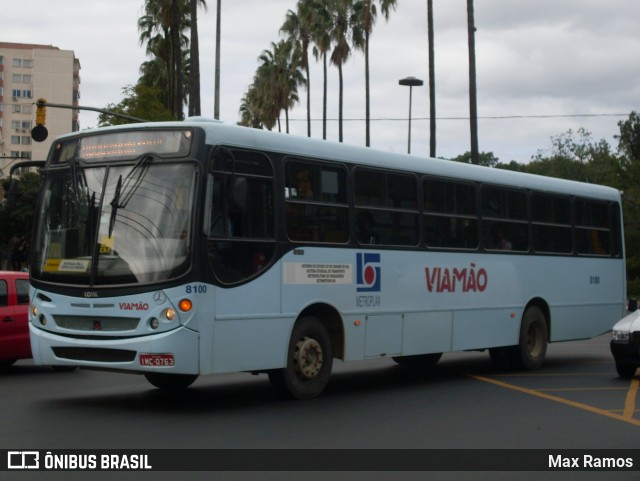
pixel 321 37
pixel 194 59
pixel 277 80
pixel 342 16
pixel 167 18
pixel 251 109
pixel 298 27
pixel 367 11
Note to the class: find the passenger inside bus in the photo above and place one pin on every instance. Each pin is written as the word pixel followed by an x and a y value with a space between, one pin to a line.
pixel 365 228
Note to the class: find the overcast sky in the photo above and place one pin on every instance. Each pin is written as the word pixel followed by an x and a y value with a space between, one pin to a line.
pixel 558 58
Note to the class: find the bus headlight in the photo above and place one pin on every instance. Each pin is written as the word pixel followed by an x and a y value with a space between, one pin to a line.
pixel 170 314
pixel 620 336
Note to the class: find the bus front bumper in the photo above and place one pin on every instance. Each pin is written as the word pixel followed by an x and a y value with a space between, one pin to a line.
pixel 173 352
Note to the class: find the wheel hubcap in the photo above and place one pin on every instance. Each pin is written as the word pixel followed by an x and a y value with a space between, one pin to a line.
pixel 308 358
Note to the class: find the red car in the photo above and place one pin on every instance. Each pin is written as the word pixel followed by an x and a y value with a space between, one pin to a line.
pixel 14 324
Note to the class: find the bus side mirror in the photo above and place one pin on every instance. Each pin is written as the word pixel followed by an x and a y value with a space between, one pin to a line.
pixel 633 305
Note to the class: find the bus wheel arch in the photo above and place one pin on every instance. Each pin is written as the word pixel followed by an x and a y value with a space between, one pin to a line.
pixel 332 320
pixel 533 339
pixel 309 361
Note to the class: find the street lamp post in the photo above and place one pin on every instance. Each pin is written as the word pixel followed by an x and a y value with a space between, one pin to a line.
pixel 411 82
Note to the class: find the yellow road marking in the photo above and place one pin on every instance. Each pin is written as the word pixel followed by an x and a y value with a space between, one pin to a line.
pixel 630 401
pixel 584 389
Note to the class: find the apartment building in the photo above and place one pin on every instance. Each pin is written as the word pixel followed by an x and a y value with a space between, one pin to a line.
pixel 29 72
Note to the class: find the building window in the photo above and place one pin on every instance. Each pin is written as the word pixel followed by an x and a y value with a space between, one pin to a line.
pixel 16 77
pixel 26 94
pixel 26 79
pixel 15 140
pixel 26 140
pixel 16 93
pixel 27 108
pixel 17 62
pixel 16 108
pixel 15 124
pixel 27 63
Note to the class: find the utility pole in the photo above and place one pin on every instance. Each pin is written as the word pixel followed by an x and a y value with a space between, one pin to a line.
pixel 473 102
pixel 216 106
pixel 432 82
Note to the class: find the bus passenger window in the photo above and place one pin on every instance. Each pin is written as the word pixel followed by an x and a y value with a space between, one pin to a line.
pixel 240 217
pixel 450 219
pixel 316 202
pixel 593 227
pixel 504 219
pixel 388 201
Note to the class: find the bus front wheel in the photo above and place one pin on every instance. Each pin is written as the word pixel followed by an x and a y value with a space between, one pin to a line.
pixel 170 382
pixel 309 362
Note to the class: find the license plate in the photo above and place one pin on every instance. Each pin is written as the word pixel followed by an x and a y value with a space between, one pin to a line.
pixel 156 360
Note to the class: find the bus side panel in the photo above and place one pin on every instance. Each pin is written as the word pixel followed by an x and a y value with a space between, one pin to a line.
pixel 250 333
pixel 427 332
pixel 483 328
pixel 585 295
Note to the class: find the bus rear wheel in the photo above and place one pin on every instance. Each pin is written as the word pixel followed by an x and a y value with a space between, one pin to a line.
pixel 530 352
pixel 170 382
pixel 309 362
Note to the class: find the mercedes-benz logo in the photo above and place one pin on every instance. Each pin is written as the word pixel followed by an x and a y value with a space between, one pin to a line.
pixel 159 297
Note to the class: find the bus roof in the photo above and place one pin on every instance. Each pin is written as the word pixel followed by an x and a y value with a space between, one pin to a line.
pixel 218 132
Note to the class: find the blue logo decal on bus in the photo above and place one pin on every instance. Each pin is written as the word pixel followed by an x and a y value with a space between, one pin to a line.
pixel 368 272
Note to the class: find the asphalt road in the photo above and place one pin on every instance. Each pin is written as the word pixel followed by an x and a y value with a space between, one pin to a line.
pixel 575 402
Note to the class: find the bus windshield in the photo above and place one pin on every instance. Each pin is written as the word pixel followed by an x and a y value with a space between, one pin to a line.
pixel 115 225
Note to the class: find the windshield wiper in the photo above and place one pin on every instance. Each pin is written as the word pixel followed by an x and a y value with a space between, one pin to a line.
pixel 127 187
pixel 114 205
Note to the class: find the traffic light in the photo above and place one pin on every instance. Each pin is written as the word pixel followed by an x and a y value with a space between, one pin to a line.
pixel 39 133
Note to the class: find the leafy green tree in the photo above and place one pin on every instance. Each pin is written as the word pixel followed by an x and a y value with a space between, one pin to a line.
pixel 18 213
pixel 139 101
pixel 629 138
pixel 487 159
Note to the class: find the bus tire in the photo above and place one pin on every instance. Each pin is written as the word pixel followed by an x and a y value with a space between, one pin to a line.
pixel 309 362
pixel 170 382
pixel 531 349
pixel 418 361
pixel 534 337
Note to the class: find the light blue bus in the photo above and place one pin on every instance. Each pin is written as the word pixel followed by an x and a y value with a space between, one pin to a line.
pixel 188 248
